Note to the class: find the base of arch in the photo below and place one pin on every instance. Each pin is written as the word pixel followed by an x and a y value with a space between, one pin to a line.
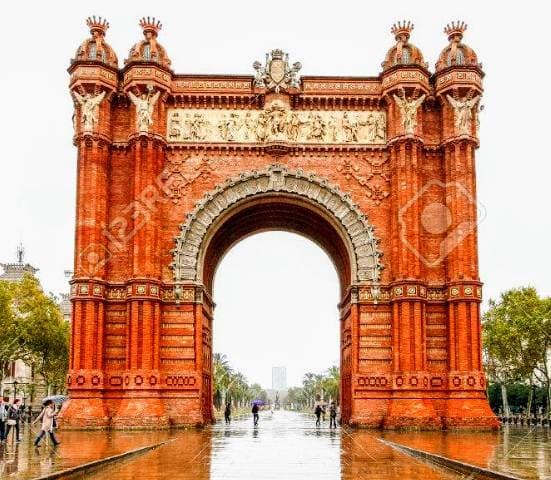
pixel 423 414
pixel 84 413
pixel 134 412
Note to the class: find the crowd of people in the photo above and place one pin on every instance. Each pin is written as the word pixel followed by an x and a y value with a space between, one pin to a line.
pixel 13 415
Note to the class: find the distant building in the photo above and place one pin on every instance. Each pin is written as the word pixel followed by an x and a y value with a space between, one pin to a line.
pixel 279 378
pixel 13 272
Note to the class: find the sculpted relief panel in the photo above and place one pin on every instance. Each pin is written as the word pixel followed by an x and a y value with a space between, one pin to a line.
pixel 276 123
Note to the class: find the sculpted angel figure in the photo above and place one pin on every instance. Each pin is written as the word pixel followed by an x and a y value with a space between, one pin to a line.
pixel 463 113
pixel 408 111
pixel 145 104
pixel 89 107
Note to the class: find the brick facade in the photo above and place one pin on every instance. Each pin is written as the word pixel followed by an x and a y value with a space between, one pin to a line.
pixel 159 202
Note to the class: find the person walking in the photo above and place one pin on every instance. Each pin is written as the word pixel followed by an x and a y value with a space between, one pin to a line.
pixel 47 416
pixel 4 408
pixel 318 411
pixel 255 414
pixel 14 417
pixel 227 413
pixel 332 415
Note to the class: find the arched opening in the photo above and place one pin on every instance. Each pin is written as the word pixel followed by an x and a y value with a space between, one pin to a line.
pixel 283 212
pixel 289 213
pixel 276 199
pixel 276 306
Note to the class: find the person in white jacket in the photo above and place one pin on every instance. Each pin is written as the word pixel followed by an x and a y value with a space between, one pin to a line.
pixel 47 416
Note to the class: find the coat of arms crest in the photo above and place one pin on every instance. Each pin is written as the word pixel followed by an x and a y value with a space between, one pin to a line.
pixel 276 74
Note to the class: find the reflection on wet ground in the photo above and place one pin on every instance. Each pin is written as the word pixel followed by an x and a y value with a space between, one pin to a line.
pixel 22 461
pixel 285 445
pixel 522 452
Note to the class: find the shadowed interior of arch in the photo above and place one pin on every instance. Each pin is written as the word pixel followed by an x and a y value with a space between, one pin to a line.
pixel 276 212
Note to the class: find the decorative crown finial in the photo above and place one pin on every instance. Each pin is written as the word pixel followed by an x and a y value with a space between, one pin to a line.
pixel 97 24
pixel 402 28
pixel 151 24
pixel 455 28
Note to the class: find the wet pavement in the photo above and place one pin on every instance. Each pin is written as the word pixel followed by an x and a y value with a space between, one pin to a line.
pixel 285 445
pixel 522 452
pixel 22 461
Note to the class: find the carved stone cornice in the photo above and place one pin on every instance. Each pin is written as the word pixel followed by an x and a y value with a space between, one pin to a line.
pixel 465 290
pixel 405 77
pixel 458 77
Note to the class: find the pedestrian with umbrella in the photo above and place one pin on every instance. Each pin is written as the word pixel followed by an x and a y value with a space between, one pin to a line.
pixel 255 413
pixel 48 418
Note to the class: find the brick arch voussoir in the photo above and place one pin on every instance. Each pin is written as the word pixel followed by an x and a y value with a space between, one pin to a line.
pixel 360 233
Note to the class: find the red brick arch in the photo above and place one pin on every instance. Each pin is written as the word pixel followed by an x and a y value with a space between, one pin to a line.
pixel 353 163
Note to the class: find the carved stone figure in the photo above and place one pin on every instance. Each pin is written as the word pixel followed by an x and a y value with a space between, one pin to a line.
pixel 248 126
pixel 198 127
pixel 145 104
pixel 317 127
pixel 332 129
pixel 463 113
pixel 380 129
pixel 276 116
pixel 229 127
pixel 276 74
pixel 349 128
pixel 174 126
pixel 89 109
pixel 293 126
pixel 262 127
pixel 294 78
pixel 408 111
pixel 259 76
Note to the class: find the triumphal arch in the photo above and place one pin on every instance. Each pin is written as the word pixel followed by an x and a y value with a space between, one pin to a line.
pixel 174 169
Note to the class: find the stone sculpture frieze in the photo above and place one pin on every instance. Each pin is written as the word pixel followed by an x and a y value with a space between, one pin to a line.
pixel 354 224
pixel 276 123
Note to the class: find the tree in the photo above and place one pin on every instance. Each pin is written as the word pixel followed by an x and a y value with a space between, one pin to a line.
pixel 331 383
pixel 516 339
pixel 221 372
pixel 33 330
pixel 44 332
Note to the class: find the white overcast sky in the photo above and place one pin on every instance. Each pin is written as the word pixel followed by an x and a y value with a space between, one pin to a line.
pixel 294 313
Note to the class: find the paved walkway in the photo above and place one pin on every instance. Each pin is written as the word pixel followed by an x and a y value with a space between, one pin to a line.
pixel 285 446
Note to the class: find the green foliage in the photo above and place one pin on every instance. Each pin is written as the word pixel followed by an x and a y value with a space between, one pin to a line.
pixel 232 386
pixel 517 340
pixel 316 386
pixel 32 329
